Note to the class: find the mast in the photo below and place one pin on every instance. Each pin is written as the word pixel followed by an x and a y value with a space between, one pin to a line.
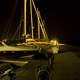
pixel 24 31
pixel 38 24
pixel 32 28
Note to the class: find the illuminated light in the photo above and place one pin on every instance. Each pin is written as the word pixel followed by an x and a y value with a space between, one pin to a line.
pixel 54 42
pixel 30 40
pixel 55 45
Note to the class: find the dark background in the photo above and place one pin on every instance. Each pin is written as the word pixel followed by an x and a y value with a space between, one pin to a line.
pixel 62 18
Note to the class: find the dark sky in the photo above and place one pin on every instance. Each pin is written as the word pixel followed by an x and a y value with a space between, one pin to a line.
pixel 62 18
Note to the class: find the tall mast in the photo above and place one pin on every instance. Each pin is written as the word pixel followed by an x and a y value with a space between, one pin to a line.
pixel 38 24
pixel 24 33
pixel 32 28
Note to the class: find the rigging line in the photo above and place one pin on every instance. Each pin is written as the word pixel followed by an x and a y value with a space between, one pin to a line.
pixel 14 18
pixel 42 24
pixel 9 22
pixel 18 28
pixel 40 20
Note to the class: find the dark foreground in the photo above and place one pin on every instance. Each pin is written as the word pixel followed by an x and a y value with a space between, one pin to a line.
pixel 66 67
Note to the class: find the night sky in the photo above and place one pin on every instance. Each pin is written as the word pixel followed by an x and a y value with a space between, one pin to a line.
pixel 62 18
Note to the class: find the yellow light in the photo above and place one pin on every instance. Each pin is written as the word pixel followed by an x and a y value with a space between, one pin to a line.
pixel 54 42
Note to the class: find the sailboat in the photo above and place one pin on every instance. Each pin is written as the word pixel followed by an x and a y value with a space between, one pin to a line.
pixel 12 53
pixel 40 27
pixel 15 54
pixel 26 44
pixel 30 45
